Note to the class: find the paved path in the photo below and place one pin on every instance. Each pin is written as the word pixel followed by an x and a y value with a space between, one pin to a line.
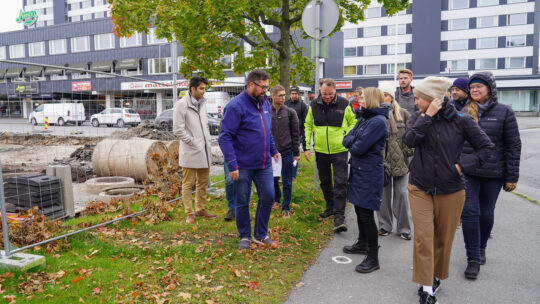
pixel 511 274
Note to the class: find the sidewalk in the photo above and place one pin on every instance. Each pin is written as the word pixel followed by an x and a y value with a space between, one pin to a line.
pixel 511 274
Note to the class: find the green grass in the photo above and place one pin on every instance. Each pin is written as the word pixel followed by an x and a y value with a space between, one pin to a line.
pixel 172 262
pixel 532 200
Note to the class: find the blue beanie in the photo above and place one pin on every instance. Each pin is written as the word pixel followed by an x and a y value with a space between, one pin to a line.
pixel 462 84
pixel 478 80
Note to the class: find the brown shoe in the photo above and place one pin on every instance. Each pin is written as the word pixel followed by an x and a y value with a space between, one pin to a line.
pixel 276 206
pixel 286 214
pixel 190 219
pixel 204 213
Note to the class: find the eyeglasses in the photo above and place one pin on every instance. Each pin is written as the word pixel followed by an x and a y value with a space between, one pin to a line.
pixel 261 86
pixel 476 87
pixel 328 95
pixel 281 95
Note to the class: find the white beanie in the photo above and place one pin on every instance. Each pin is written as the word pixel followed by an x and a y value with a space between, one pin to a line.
pixel 388 87
pixel 433 87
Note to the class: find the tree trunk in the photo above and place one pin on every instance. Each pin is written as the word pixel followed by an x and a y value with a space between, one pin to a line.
pixel 285 43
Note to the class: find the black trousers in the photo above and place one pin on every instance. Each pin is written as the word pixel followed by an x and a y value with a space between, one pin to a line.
pixel 333 173
pixel 367 229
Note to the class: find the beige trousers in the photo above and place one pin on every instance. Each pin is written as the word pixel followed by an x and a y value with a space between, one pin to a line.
pixel 199 178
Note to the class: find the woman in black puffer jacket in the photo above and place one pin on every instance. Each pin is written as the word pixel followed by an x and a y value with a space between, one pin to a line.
pixel 501 169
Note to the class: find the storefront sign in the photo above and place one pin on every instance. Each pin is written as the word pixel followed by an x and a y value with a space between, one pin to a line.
pixel 81 86
pixel 344 84
pixel 167 84
pixel 28 18
pixel 24 88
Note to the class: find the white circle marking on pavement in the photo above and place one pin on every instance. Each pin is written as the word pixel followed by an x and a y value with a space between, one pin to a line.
pixel 341 259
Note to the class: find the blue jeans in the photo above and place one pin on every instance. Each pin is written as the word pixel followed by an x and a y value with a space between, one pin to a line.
pixel 295 168
pixel 477 216
pixel 286 179
pixel 263 179
pixel 229 189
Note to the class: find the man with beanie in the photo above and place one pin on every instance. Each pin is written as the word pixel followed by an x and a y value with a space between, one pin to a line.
pixel 460 92
pixel 436 186
pixel 301 110
pixel 404 93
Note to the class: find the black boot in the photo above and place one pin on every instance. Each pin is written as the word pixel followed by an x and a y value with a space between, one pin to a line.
pixel 472 270
pixel 339 224
pixel 371 262
pixel 359 247
pixel 326 214
pixel 482 256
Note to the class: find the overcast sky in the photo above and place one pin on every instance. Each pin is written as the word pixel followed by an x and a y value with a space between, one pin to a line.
pixel 8 14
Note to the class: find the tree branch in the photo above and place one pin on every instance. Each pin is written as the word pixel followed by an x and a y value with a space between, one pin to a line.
pixel 248 40
pixel 295 19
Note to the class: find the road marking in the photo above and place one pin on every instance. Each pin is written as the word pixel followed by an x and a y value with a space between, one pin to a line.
pixel 341 259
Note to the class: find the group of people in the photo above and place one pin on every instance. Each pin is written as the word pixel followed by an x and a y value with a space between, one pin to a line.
pixel 448 158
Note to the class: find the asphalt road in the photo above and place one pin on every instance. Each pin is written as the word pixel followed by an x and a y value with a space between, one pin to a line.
pixel 511 274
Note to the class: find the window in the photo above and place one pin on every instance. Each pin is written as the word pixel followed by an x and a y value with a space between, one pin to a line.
pixel 516 1
pixel 159 65
pixel 152 39
pixel 514 41
pixel 349 52
pixel 486 43
pixel 487 2
pixel 227 62
pixel 86 17
pixel 61 76
pixel 486 64
pixel 458 4
pixel 75 18
pixel 81 75
pixel 390 67
pixel 487 21
pixel 80 44
pixel 268 28
pixel 36 49
pixel 520 100
pixel 458 45
pixel 458 65
pixel 104 41
pixel 17 51
pixel 515 63
pixel 372 12
pixel 401 49
pixel 349 70
pixel 58 46
pixel 372 69
pixel 401 29
pixel 86 4
pixel 134 40
pixel 99 15
pixel 517 19
pixel 372 50
pixel 458 24
pixel 350 33
pixel 3 52
pixel 131 72
pixel 373 31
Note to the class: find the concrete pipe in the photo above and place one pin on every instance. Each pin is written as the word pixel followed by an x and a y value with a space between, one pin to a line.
pixel 173 148
pixel 120 193
pixel 99 184
pixel 132 157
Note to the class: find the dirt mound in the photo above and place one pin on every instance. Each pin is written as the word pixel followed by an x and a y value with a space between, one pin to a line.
pixel 45 139
pixel 147 129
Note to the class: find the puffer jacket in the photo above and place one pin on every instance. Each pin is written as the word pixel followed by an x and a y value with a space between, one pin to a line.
pixel 397 155
pixel 500 124
pixel 438 143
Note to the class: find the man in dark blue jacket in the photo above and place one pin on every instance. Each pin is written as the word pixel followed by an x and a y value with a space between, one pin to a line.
pixel 248 147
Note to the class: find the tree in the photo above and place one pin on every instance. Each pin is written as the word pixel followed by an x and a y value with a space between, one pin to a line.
pixel 208 30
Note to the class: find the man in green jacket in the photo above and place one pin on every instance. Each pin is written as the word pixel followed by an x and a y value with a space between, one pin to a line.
pixel 330 117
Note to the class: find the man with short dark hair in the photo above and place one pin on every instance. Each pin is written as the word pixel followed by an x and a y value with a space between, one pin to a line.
pixel 301 112
pixel 190 125
pixel 248 147
pixel 330 117
pixel 460 92
pixel 404 93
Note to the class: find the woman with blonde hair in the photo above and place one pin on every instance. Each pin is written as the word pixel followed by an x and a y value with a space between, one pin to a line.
pixel 396 159
pixel 364 187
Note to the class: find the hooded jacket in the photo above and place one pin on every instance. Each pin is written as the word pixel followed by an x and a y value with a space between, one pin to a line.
pixel 246 133
pixel 301 111
pixel 285 129
pixel 330 123
pixel 500 124
pixel 438 143
pixel 365 143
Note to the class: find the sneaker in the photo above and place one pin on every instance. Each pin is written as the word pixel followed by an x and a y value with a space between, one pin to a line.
pixel 243 243
pixel 286 214
pixel 230 215
pixel 383 232
pixel 326 214
pixel 405 236
pixel 472 270
pixel 339 225
pixel 436 286
pixel 265 241
pixel 482 256
pixel 426 298
pixel 276 206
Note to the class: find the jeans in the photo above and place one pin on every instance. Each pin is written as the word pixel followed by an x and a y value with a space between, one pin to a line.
pixel 477 216
pixel 286 179
pixel 333 173
pixel 229 189
pixel 263 179
pixel 295 168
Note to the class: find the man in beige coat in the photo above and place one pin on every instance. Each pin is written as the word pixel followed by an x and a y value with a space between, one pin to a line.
pixel 190 125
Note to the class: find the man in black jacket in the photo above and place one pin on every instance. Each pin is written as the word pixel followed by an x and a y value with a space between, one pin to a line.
pixel 285 132
pixel 301 111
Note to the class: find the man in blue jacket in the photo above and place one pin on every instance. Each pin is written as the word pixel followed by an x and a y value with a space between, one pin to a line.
pixel 248 147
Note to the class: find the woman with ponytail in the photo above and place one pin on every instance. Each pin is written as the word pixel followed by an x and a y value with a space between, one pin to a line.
pixel 501 169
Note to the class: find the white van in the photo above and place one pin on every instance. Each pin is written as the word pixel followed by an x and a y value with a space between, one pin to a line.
pixel 58 113
pixel 216 102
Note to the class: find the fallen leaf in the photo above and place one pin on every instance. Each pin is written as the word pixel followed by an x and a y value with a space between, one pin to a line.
pixel 184 295
pixel 199 250
pixel 236 272
pixel 300 284
pixel 10 298
pixel 253 285
pixel 77 279
pixel 96 291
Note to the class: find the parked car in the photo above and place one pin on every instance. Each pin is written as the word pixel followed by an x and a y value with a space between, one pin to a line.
pixel 165 119
pixel 92 109
pixel 58 113
pixel 116 116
